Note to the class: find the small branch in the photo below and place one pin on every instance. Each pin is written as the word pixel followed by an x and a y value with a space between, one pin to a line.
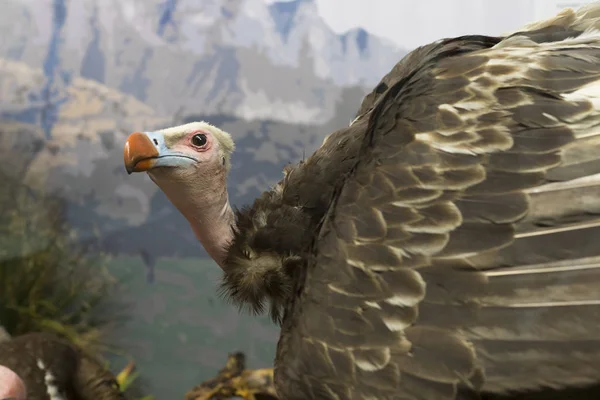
pixel 234 380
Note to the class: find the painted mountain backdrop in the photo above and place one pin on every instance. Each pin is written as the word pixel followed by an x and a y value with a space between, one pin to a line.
pixel 77 76
pixel 84 73
pixel 242 58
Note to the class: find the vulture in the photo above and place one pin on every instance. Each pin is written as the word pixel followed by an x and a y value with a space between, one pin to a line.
pixel 42 366
pixel 442 245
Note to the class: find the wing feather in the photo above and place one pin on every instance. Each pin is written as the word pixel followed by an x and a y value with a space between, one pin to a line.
pixel 459 253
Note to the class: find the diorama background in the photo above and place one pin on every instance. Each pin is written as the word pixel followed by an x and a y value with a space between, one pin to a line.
pixel 77 76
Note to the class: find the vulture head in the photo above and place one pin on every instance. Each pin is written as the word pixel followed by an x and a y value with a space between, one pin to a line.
pixel 11 385
pixel 190 163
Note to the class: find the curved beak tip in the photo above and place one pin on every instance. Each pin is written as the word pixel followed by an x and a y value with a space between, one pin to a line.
pixel 127 157
pixel 139 153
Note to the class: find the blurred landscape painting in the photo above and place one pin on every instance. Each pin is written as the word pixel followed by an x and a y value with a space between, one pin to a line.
pixel 78 76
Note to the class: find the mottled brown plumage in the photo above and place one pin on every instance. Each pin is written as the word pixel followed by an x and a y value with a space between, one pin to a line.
pixel 54 369
pixel 446 241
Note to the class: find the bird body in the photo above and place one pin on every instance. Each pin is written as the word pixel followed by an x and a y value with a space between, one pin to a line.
pixel 53 369
pixel 443 243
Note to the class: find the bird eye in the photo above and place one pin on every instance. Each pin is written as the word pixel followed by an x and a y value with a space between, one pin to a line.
pixel 199 139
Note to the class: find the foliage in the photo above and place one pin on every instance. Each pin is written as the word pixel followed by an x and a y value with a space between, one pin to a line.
pixel 48 282
pixel 127 378
pixel 234 381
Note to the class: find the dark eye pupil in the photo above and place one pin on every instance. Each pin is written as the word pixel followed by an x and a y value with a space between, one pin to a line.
pixel 199 139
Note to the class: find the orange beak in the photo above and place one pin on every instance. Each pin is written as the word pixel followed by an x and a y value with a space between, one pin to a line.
pixel 139 153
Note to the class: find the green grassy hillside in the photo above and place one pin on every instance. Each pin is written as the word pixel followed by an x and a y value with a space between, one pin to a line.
pixel 181 331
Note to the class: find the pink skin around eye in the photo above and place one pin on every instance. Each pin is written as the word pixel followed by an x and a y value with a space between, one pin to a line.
pixel 204 148
pixel 11 386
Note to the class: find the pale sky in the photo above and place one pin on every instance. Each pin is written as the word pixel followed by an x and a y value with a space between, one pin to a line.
pixel 411 23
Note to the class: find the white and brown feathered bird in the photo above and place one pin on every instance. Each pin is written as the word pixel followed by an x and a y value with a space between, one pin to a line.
pixel 42 366
pixel 446 242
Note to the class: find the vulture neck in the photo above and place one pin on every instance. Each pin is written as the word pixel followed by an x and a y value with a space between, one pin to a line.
pixel 207 210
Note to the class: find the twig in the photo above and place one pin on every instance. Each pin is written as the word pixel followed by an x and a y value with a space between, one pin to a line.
pixel 234 380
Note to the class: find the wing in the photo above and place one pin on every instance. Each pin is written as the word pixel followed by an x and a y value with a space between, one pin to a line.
pixel 461 251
